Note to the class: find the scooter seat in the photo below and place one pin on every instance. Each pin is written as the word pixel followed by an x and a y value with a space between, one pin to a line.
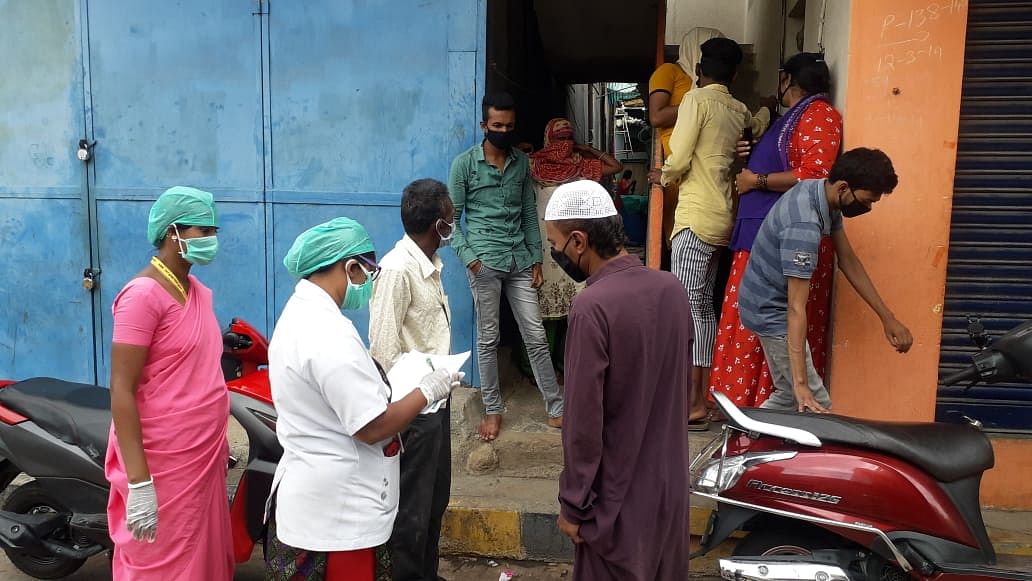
pixel 76 413
pixel 948 452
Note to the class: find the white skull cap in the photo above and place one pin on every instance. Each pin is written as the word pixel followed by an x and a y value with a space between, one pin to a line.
pixel 583 199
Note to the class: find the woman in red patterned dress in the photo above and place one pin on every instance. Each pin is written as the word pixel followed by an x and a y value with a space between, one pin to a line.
pixel 803 144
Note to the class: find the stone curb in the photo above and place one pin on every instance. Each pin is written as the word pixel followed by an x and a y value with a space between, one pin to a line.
pixel 489 532
pixel 497 533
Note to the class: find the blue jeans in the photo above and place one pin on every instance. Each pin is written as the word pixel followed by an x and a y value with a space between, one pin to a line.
pixel 487 286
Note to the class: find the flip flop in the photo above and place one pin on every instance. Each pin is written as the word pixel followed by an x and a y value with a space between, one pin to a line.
pixel 698 425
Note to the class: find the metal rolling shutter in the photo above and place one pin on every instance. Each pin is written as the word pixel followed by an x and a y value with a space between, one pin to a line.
pixel 990 255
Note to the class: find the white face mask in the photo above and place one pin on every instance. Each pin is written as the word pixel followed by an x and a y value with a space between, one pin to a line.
pixel 199 251
pixel 450 226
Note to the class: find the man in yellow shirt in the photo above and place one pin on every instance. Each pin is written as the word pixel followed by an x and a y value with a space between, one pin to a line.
pixel 709 123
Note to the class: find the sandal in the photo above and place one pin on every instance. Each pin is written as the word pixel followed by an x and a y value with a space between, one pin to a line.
pixel 698 425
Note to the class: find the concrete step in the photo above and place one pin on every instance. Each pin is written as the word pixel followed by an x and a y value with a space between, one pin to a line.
pixel 525 448
pixel 504 493
pixel 504 517
pixel 507 517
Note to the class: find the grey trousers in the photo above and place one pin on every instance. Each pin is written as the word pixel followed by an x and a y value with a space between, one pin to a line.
pixel 775 349
pixel 487 286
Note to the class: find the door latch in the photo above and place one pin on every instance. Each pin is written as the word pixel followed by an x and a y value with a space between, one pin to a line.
pixel 90 278
pixel 85 150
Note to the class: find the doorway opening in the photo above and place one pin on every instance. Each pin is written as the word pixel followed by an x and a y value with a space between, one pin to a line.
pixel 586 61
pixel 589 61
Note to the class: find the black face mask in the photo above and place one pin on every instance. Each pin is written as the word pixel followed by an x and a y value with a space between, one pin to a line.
pixel 782 93
pixel 854 208
pixel 503 140
pixel 571 269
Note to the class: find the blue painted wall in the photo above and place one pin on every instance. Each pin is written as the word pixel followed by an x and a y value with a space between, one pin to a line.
pixel 46 317
pixel 176 98
pixel 290 113
pixel 366 97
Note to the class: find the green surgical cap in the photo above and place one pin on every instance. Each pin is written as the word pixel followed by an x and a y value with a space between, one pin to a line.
pixel 325 244
pixel 180 205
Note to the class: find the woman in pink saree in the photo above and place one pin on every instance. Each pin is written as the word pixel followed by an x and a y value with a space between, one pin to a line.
pixel 168 513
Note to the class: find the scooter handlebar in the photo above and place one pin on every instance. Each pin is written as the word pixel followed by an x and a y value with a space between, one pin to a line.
pixel 969 373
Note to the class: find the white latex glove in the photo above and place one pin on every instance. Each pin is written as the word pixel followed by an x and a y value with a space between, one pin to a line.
pixel 141 511
pixel 439 384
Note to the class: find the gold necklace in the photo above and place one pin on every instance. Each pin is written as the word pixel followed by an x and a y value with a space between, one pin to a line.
pixel 169 276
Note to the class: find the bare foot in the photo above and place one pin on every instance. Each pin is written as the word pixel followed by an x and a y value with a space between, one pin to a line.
pixel 490 426
pixel 556 422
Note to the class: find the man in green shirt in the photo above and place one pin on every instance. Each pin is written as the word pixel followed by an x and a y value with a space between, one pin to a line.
pixel 500 244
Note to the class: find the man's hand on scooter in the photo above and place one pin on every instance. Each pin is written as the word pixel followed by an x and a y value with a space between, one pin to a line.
pixel 806 401
pixel 141 511
pixel 898 335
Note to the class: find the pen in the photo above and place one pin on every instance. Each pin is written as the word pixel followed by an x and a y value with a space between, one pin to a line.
pixel 431 364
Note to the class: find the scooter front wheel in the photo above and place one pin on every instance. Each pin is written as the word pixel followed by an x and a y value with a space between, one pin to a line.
pixel 31 498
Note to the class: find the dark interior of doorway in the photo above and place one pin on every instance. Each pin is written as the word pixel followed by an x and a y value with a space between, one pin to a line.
pixel 536 49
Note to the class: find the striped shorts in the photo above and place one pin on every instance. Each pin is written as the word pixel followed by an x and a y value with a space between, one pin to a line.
pixel 694 263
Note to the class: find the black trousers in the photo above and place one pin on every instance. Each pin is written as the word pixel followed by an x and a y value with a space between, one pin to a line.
pixel 425 490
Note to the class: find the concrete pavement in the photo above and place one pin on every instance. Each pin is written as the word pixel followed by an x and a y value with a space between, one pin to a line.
pixel 452 569
pixel 98 569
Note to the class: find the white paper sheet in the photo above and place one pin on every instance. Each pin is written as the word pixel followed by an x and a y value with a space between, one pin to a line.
pixel 413 366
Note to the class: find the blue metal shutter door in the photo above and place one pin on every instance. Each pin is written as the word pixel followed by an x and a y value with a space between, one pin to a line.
pixel 990 257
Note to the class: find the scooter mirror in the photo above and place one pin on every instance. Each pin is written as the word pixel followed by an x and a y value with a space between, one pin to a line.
pixel 1016 346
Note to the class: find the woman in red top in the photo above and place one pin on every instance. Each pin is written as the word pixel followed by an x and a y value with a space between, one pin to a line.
pixel 803 144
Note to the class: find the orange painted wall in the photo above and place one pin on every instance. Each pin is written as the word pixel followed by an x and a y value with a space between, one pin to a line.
pixel 906 65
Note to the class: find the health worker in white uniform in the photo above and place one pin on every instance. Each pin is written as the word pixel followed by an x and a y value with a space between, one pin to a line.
pixel 335 493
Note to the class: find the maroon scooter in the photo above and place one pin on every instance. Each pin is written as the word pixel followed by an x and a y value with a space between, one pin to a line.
pixel 831 498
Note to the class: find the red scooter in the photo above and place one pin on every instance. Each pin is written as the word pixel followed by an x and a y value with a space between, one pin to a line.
pixel 56 433
pixel 831 498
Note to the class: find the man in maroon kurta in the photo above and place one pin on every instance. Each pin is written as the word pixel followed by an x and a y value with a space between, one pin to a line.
pixel 623 493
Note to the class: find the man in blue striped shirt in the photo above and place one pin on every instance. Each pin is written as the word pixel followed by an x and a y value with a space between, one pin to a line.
pixel 776 285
